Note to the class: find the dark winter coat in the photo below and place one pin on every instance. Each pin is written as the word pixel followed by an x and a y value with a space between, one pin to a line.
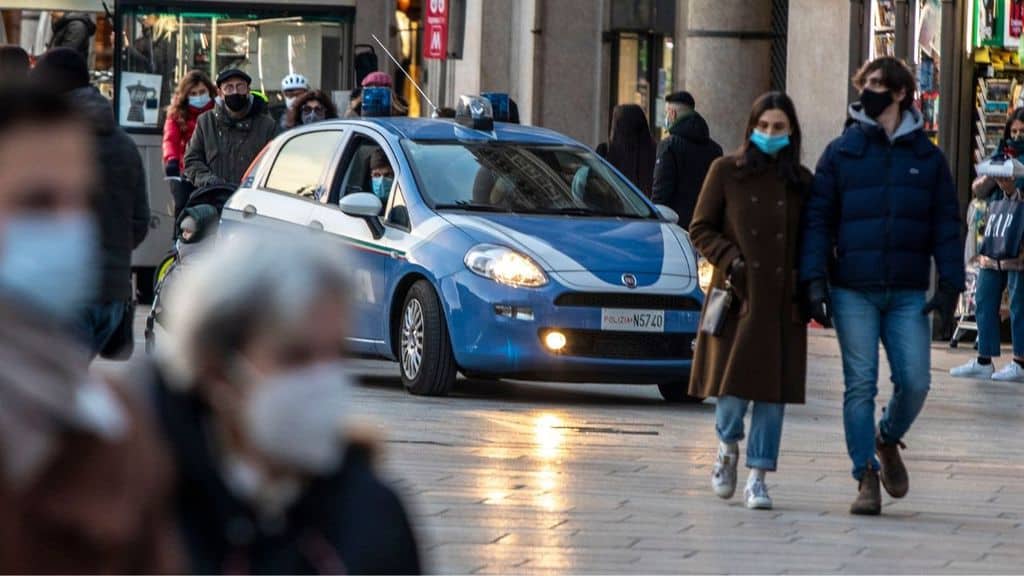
pixel 346 523
pixel 881 210
pixel 121 203
pixel 73 30
pixel 761 354
pixel 222 148
pixel 683 161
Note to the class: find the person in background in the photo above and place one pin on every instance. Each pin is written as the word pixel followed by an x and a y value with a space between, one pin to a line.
pixel 121 202
pixel 382 175
pixel 84 482
pixel 630 146
pixel 312 106
pixel 994 276
pixel 274 476
pixel 193 97
pixel 377 80
pixel 747 224
pixel 882 208
pixel 72 30
pixel 684 157
pixel 14 64
pixel 293 87
pixel 228 138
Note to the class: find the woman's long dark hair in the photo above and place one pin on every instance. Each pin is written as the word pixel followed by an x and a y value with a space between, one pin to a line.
pixel 294 117
pixel 1017 116
pixel 787 162
pixel 179 103
pixel 631 147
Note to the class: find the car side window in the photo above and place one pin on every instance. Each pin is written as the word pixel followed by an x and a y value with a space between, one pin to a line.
pixel 365 168
pixel 300 166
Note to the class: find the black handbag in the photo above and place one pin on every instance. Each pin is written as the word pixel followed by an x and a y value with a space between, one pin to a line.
pixel 121 343
pixel 718 303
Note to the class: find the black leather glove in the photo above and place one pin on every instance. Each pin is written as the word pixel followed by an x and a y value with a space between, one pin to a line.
pixel 737 275
pixel 819 303
pixel 172 169
pixel 943 301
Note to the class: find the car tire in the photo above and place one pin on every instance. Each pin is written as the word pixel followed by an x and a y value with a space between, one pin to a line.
pixel 424 346
pixel 677 392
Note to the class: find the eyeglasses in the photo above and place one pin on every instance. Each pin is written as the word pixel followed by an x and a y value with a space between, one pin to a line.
pixel 307 109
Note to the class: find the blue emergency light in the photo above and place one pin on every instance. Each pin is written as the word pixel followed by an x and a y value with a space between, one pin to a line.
pixel 475 112
pixel 500 105
pixel 376 101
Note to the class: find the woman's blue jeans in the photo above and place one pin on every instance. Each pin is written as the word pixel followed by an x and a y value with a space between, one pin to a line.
pixel 988 299
pixel 765 429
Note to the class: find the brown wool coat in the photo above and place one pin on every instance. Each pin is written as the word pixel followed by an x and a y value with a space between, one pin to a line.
pixel 761 354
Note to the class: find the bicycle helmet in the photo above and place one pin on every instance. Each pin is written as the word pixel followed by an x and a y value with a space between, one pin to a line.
pixel 294 82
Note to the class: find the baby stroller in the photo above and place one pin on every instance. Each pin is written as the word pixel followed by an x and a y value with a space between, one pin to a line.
pixel 198 221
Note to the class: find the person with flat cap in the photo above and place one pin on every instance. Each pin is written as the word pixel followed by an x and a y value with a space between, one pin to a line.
pixel 683 158
pixel 228 137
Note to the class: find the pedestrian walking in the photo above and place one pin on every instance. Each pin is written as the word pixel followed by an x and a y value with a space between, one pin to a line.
pixel 120 202
pixel 311 107
pixel 228 138
pixel 72 30
pixel 747 224
pixel 193 97
pixel 273 475
pixel 684 157
pixel 995 276
pixel 84 484
pixel 293 87
pixel 630 146
pixel 883 206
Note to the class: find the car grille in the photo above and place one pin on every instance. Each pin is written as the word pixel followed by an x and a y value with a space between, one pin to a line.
pixel 627 345
pixel 627 300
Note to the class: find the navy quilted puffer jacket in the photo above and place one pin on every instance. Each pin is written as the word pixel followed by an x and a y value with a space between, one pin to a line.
pixel 881 209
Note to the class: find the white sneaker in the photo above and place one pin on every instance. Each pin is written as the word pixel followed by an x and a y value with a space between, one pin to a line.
pixel 1012 372
pixel 723 475
pixel 757 496
pixel 973 369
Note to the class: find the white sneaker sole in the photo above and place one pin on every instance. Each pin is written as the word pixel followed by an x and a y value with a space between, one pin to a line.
pixel 724 492
pixel 972 375
pixel 759 504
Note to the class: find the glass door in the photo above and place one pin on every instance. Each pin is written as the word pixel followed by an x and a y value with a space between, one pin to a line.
pixel 642 73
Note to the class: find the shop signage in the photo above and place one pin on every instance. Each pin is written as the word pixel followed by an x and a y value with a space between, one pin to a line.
pixel 435 30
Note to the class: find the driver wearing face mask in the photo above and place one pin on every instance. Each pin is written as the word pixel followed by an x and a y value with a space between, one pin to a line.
pixel 381 174
pixel 256 401
pixel 80 469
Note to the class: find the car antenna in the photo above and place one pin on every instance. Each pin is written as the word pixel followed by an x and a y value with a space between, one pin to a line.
pixel 414 84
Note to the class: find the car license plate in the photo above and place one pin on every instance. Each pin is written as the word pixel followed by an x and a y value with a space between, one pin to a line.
pixel 626 320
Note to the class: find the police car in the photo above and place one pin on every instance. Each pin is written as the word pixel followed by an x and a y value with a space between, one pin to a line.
pixel 487 248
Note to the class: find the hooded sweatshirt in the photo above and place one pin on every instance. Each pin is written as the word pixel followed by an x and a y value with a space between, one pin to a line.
pixel 121 203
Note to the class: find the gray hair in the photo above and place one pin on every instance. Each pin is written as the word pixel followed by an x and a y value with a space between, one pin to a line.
pixel 244 285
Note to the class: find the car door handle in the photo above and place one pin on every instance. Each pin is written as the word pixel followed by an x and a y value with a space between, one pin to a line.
pixel 316 225
pixel 249 211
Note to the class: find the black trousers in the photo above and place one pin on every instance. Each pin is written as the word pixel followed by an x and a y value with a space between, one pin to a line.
pixel 180 191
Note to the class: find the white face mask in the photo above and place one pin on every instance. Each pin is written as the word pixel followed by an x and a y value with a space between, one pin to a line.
pixel 294 418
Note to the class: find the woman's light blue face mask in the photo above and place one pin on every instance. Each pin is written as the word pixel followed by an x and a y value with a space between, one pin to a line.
pixel 770 145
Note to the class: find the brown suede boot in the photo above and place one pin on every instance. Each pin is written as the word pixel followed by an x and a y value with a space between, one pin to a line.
pixel 869 495
pixel 894 473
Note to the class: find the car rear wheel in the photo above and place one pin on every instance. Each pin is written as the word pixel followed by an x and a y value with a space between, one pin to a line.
pixel 425 349
pixel 677 392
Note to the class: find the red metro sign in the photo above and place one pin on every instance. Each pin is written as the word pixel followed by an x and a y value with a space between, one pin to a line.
pixel 435 30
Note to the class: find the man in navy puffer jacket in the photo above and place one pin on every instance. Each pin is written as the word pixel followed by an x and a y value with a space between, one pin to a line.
pixel 883 207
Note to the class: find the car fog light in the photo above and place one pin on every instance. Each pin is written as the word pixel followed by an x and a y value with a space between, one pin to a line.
pixel 555 341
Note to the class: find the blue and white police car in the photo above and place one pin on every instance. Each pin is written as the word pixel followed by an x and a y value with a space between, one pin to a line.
pixel 491 249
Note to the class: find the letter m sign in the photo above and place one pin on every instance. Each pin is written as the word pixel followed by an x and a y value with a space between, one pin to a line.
pixel 435 30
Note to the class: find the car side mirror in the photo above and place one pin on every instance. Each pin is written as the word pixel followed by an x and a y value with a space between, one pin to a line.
pixel 667 213
pixel 366 207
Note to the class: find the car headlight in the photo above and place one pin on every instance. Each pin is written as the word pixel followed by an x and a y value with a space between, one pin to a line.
pixel 704 271
pixel 506 266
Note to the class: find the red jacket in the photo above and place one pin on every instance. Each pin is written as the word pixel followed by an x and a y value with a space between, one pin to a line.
pixel 175 141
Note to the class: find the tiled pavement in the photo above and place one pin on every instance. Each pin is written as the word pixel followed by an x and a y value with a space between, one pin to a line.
pixel 543 478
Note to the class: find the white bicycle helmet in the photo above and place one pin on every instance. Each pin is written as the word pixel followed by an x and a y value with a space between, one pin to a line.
pixel 294 82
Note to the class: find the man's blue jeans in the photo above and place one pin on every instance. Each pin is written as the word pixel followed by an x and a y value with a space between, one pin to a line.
pixel 862 318
pixel 988 297
pixel 765 429
pixel 96 324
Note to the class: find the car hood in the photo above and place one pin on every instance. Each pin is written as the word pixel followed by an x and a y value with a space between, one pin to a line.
pixel 596 245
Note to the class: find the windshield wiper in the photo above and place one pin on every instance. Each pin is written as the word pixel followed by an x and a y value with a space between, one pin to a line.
pixel 582 211
pixel 464 205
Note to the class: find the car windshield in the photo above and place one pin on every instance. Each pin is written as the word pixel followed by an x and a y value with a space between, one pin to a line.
pixel 522 178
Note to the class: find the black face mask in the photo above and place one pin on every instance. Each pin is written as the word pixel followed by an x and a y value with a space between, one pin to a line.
pixel 236 102
pixel 875 103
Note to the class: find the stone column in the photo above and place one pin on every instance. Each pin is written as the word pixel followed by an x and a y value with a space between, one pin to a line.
pixel 727 63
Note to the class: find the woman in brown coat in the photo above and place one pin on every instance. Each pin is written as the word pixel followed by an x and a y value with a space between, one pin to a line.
pixel 747 224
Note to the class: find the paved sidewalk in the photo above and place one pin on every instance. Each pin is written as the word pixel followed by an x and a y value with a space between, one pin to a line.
pixel 527 478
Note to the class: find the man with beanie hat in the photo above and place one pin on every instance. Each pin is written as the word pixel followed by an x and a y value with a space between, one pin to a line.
pixel 229 137
pixel 684 157
pixel 121 204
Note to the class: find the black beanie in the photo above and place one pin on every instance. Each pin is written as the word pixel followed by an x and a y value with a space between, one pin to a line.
pixel 62 70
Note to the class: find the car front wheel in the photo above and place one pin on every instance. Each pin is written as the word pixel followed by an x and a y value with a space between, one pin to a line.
pixel 425 349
